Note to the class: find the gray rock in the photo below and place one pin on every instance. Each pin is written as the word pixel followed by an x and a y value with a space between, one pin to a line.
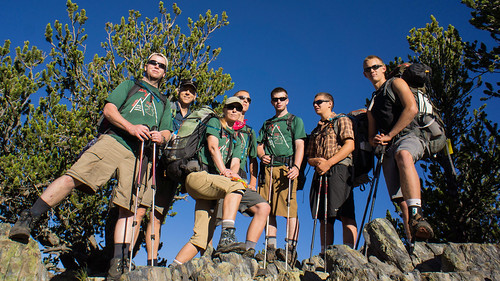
pixel 383 242
pixel 19 261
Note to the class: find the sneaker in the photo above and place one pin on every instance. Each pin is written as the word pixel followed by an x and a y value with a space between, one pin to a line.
pixel 420 228
pixel 250 253
pixel 21 230
pixel 292 255
pixel 117 267
pixel 228 242
pixel 271 255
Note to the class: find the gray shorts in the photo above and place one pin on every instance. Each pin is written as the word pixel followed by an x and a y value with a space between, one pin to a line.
pixel 411 143
pixel 249 199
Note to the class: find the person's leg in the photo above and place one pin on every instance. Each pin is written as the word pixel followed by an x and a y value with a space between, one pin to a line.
pixel 260 212
pixel 349 231
pixel 409 180
pixel 153 256
pixel 187 252
pixel 58 190
pixel 329 233
pixel 52 195
pixel 293 229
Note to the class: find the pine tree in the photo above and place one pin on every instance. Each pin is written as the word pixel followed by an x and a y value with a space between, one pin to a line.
pixel 40 140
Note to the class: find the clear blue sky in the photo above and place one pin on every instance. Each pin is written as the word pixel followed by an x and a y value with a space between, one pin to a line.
pixel 304 46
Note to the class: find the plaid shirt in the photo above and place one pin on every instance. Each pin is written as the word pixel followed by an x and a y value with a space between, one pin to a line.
pixel 324 141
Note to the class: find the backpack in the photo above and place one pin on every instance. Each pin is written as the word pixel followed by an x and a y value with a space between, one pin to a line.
pixel 180 154
pixel 427 122
pixel 363 154
pixel 302 174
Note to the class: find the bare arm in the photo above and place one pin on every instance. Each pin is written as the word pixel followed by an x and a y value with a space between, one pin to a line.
pixel 254 168
pixel 213 147
pixel 293 173
pixel 323 166
pixel 261 153
pixel 410 109
pixel 111 113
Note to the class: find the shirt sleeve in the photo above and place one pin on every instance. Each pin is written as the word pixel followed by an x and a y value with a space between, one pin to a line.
pixel 346 129
pixel 167 122
pixel 119 95
pixel 298 127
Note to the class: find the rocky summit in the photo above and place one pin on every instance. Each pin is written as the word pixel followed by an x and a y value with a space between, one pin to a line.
pixel 385 258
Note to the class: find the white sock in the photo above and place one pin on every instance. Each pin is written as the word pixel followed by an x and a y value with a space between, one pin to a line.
pixel 414 202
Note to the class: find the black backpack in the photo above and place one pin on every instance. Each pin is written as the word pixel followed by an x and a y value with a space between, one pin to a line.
pixel 363 154
pixel 428 121
pixel 179 156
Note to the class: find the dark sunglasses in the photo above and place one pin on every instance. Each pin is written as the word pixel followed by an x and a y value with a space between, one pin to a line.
pixel 248 99
pixel 159 64
pixel 319 102
pixel 234 106
pixel 374 67
pixel 279 99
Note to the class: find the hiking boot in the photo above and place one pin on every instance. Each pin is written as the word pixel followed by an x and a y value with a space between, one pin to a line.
pixel 420 229
pixel 117 267
pixel 21 230
pixel 292 255
pixel 271 255
pixel 250 253
pixel 228 242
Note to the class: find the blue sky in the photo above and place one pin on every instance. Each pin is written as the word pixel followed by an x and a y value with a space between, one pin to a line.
pixel 304 46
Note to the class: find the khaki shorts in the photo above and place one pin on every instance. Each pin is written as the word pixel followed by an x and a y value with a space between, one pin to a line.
pixel 279 194
pixel 99 164
pixel 206 189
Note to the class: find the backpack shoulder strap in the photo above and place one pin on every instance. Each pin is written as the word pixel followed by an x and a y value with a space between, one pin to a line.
pixel 130 93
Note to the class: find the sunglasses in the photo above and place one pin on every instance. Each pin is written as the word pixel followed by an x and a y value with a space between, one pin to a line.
pixel 159 64
pixel 319 102
pixel 374 67
pixel 279 99
pixel 234 106
pixel 248 99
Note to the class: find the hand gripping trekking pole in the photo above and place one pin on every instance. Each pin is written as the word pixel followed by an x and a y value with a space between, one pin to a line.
pixel 153 187
pixel 370 199
pixel 315 219
pixel 268 201
pixel 137 187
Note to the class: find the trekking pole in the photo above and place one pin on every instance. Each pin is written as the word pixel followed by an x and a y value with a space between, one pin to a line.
pixel 373 191
pixel 315 218
pixel 267 222
pixel 138 186
pixel 326 217
pixel 153 187
pixel 288 222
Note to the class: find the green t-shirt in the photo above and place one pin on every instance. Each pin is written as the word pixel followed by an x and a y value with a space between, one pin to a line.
pixel 248 145
pixel 278 140
pixel 143 107
pixel 229 145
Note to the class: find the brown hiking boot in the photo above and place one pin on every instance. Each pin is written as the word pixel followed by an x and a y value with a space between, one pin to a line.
pixel 420 229
pixel 21 230
pixel 228 242
pixel 282 256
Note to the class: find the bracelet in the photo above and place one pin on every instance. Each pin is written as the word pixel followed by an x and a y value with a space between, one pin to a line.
pixel 295 165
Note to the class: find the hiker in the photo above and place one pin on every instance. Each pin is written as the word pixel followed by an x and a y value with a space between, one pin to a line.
pixel 167 188
pixel 116 151
pixel 182 107
pixel 215 182
pixel 281 149
pixel 329 151
pixel 390 126
pixel 252 204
